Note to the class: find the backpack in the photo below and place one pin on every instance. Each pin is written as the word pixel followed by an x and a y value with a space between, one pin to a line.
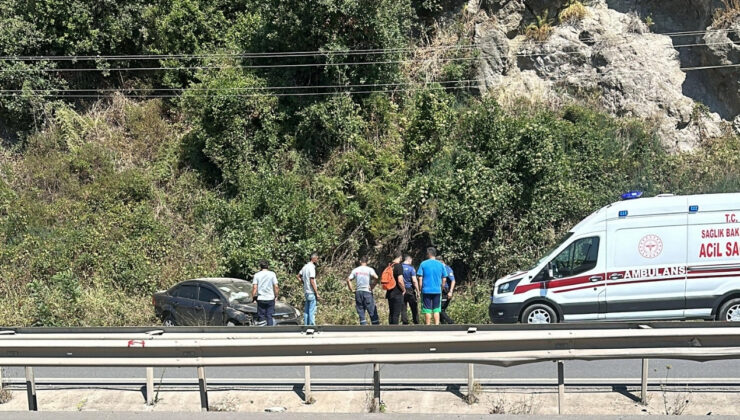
pixel 386 279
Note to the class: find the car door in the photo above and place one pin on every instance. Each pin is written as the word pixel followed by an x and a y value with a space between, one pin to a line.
pixel 185 300
pixel 210 312
pixel 578 283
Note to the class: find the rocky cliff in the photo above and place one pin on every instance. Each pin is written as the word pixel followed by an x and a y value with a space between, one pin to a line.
pixel 634 58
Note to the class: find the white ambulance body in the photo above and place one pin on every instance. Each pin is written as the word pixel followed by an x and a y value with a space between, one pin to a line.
pixel 665 257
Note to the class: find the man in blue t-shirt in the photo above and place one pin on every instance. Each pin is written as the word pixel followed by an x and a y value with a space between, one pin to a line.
pixel 447 288
pixel 430 275
pixel 411 297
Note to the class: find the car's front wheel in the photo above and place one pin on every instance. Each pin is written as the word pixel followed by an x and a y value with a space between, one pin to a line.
pixel 730 311
pixel 169 320
pixel 539 313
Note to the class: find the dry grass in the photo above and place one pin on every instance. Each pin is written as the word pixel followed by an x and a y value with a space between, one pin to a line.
pixel 574 12
pixel 228 403
pixel 5 394
pixel 541 29
pixel 728 14
pixel 500 405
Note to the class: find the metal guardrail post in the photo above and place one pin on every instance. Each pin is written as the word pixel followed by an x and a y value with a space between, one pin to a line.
pixel 203 388
pixel 644 382
pixel 307 386
pixel 149 386
pixel 31 390
pixel 376 387
pixel 471 382
pixel 561 386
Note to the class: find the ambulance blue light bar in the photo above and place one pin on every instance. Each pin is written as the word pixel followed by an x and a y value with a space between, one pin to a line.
pixel 631 195
pixel 693 209
pixel 623 213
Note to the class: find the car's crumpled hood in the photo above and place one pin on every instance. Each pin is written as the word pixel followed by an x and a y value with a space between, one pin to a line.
pixel 280 308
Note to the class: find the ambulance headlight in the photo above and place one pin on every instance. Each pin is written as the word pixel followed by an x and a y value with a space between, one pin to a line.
pixel 508 287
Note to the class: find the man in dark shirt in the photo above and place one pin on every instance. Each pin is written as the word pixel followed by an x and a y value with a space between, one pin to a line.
pixel 411 297
pixel 395 295
pixel 448 287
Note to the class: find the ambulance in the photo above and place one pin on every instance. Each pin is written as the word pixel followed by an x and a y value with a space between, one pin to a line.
pixel 659 258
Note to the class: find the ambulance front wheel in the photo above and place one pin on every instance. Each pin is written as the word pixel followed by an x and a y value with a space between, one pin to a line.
pixel 539 313
pixel 730 311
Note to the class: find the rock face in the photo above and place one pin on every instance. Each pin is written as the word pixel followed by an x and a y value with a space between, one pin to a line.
pixel 610 57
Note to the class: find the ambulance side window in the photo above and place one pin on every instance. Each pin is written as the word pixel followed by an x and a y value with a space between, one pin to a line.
pixel 579 257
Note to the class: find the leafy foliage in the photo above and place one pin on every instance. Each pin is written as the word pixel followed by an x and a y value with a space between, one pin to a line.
pixel 103 202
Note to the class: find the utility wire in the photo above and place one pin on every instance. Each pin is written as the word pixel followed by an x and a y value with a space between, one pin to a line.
pixel 299 65
pixel 267 94
pixel 248 88
pixel 289 54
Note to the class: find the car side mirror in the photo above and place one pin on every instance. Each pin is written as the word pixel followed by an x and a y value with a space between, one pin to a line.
pixel 215 301
pixel 549 271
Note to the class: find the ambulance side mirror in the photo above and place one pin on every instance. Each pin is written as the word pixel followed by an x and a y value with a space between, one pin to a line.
pixel 549 270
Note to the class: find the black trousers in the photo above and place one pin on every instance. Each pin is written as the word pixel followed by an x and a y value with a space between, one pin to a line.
pixel 443 317
pixel 410 299
pixel 396 306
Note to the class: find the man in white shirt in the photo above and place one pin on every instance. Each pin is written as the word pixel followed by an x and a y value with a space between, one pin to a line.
pixel 365 280
pixel 308 276
pixel 265 291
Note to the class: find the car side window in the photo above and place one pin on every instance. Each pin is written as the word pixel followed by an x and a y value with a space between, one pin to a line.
pixel 579 257
pixel 187 291
pixel 207 295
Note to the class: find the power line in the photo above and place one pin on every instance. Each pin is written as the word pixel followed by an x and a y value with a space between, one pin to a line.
pixel 266 90
pixel 290 54
pixel 248 88
pixel 299 65
pixel 721 66
pixel 266 94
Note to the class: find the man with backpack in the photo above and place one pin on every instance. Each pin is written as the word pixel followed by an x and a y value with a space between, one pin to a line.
pixel 365 278
pixel 411 297
pixel 430 274
pixel 392 282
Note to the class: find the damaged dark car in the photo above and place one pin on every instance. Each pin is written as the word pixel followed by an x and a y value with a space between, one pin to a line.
pixel 215 301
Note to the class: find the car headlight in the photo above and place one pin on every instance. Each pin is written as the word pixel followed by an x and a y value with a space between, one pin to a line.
pixel 508 287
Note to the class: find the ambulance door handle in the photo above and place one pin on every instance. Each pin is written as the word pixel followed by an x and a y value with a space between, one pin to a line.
pixel 616 276
pixel 595 278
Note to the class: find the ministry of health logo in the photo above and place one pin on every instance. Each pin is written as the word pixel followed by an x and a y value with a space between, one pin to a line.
pixel 650 246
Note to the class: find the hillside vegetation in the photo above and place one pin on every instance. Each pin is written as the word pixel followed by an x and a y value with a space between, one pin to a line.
pixel 104 200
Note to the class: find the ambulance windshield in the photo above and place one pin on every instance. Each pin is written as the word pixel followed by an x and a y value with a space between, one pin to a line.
pixel 546 255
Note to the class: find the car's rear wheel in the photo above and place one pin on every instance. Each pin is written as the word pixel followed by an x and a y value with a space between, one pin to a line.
pixel 169 320
pixel 730 311
pixel 539 313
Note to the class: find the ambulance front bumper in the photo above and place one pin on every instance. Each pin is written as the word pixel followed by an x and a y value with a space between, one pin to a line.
pixel 504 313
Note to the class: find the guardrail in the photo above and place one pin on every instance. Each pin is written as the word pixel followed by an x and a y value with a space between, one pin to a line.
pixel 494 345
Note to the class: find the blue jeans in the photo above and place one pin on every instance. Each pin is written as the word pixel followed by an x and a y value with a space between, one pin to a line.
pixel 265 311
pixel 309 310
pixel 364 302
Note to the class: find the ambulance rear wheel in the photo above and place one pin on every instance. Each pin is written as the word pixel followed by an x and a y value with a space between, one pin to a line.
pixel 730 311
pixel 539 313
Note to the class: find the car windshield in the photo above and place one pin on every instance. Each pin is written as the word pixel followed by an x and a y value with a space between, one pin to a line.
pixel 546 255
pixel 237 292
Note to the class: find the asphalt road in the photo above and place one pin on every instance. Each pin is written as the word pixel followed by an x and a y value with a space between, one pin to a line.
pixel 604 372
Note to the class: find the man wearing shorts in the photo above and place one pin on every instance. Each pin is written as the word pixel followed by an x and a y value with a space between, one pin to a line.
pixel 430 275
